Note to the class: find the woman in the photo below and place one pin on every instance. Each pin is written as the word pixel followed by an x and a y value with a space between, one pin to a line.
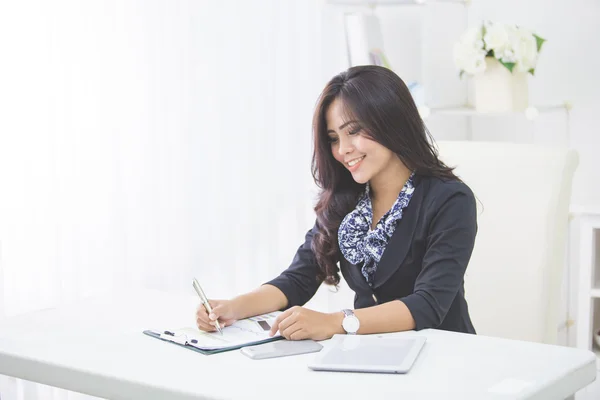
pixel 400 223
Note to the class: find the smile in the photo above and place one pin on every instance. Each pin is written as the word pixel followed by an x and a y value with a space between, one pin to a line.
pixel 355 161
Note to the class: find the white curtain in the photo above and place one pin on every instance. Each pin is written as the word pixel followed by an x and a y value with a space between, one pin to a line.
pixel 146 142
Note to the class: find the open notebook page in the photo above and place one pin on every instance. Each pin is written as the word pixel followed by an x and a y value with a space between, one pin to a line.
pixel 241 332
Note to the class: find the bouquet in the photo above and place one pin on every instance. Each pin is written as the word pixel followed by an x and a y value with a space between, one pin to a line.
pixel 516 48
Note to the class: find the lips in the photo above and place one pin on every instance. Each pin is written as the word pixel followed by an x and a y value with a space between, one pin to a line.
pixel 353 164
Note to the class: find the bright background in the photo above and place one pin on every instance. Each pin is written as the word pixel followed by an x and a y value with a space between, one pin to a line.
pixel 145 142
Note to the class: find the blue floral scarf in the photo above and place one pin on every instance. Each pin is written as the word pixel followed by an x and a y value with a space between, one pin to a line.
pixel 358 243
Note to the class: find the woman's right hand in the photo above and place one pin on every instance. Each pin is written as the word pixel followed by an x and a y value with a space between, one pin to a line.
pixel 222 310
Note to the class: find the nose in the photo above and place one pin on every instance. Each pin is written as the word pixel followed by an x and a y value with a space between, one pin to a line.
pixel 345 146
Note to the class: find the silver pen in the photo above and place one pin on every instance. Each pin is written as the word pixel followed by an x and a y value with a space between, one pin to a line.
pixel 205 302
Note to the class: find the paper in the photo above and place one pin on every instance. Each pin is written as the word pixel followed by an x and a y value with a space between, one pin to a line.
pixel 242 332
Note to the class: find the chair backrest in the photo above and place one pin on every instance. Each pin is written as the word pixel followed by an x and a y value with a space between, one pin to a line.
pixel 513 281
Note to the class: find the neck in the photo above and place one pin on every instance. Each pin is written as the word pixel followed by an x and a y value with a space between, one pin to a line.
pixel 386 186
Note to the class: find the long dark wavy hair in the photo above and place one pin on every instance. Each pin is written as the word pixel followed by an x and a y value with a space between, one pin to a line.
pixel 382 104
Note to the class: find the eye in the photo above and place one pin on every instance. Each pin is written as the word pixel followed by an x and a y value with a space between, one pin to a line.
pixel 332 139
pixel 354 130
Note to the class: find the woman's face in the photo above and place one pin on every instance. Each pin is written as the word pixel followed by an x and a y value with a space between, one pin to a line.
pixel 363 157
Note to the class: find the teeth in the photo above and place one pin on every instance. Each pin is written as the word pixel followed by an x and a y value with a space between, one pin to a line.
pixel 355 161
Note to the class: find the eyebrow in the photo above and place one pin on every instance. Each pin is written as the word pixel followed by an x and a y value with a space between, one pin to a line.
pixel 345 124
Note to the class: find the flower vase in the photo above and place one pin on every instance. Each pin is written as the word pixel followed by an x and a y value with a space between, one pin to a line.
pixel 498 90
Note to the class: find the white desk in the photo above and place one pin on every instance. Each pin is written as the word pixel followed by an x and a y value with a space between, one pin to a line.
pixel 97 347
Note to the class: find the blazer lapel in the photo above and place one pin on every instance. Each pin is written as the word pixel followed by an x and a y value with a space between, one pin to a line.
pixel 399 244
pixel 355 274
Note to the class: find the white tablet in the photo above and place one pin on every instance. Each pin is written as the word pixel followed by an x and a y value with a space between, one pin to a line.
pixel 369 353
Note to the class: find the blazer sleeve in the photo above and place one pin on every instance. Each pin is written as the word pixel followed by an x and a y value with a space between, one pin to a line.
pixel 299 281
pixel 448 250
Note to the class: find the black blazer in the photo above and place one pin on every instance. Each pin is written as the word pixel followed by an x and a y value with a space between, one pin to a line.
pixel 423 264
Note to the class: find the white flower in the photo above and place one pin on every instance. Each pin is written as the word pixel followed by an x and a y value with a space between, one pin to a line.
pixel 509 43
pixel 525 49
pixel 469 55
pixel 468 58
pixel 473 38
pixel 508 56
pixel 497 38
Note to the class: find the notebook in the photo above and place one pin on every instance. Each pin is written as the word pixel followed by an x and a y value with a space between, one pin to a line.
pixel 246 332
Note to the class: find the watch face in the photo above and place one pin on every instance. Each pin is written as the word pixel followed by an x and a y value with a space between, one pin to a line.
pixel 350 324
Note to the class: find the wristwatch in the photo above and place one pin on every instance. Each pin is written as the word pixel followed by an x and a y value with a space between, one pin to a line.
pixel 350 323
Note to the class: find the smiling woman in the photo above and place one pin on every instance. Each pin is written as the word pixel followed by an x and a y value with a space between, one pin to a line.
pixel 397 220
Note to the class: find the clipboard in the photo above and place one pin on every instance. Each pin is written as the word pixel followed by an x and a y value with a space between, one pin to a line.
pixel 200 350
pixel 247 332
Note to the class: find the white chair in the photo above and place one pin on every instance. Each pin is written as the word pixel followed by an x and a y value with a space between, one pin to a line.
pixel 513 282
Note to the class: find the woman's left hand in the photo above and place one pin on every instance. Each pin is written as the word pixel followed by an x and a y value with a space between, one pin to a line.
pixel 298 323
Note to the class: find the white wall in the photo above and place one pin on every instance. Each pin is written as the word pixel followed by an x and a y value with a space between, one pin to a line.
pixel 144 142
pixel 567 70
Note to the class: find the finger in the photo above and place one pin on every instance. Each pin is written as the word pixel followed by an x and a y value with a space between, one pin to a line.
pixel 215 322
pixel 289 321
pixel 290 330
pixel 202 318
pixel 205 326
pixel 216 312
pixel 210 326
pixel 226 322
pixel 214 303
pixel 275 326
pixel 300 334
pixel 279 318
pixel 200 311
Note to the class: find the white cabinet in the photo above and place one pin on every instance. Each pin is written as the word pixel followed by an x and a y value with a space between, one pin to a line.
pixel 585 257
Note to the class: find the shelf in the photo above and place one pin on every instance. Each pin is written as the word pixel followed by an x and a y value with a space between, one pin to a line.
pixel 586 210
pixel 467 111
pixel 595 293
pixel 591 213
